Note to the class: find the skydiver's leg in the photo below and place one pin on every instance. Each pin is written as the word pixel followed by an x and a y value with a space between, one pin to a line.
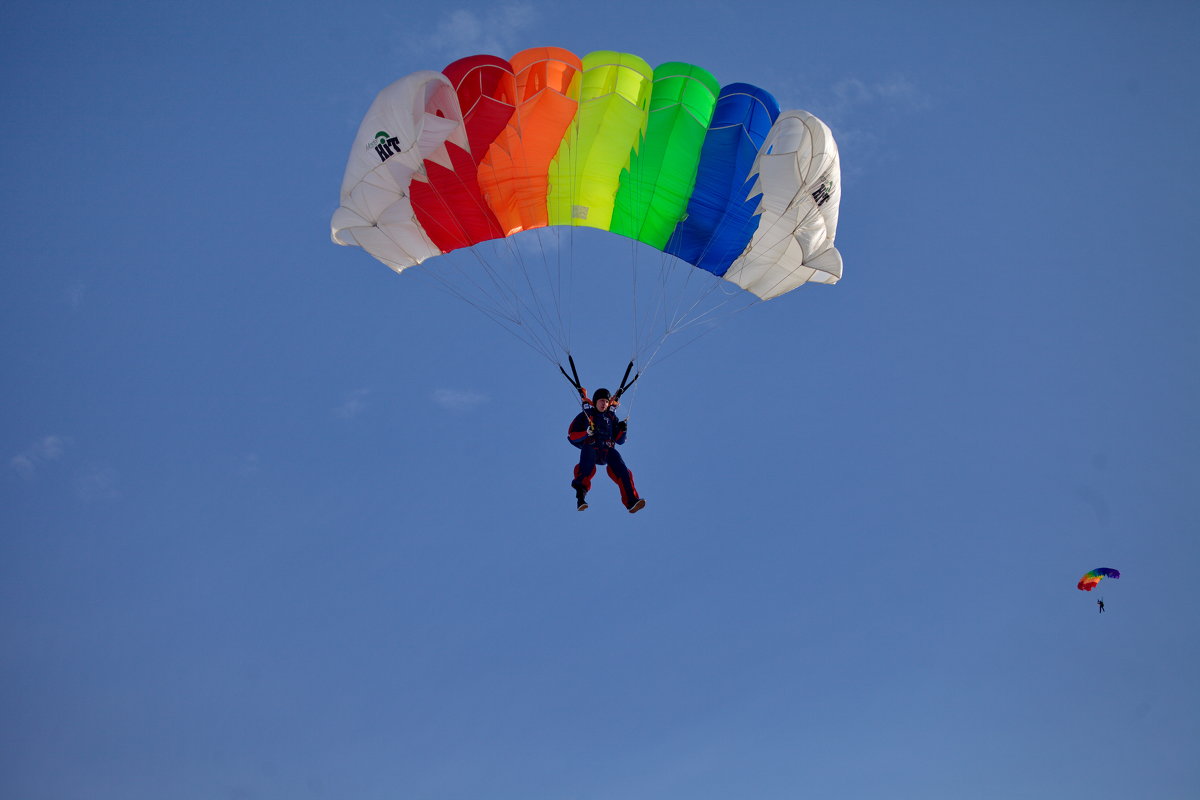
pixel 584 470
pixel 623 477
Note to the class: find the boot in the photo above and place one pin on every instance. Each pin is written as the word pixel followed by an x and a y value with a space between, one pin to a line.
pixel 636 506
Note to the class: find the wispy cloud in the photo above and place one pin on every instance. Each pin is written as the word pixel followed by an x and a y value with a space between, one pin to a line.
pixel 848 96
pixel 38 455
pixel 496 30
pixel 98 483
pixel 75 293
pixel 500 30
pixel 249 465
pixel 353 405
pixel 860 110
pixel 457 400
pixel 852 100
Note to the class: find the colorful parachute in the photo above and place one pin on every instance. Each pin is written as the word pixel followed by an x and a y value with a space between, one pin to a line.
pixel 488 148
pixel 1090 579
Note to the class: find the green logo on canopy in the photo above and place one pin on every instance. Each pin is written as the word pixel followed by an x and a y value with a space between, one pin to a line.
pixel 385 145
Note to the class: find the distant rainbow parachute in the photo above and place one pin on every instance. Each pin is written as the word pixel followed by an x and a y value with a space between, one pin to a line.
pixel 1090 579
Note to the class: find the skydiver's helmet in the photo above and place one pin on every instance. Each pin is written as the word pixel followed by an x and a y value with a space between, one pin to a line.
pixel 601 394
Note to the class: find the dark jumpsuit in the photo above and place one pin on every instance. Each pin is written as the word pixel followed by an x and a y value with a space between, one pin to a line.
pixel 599 447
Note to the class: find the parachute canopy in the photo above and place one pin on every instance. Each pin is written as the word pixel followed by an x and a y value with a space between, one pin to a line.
pixel 488 148
pixel 1090 579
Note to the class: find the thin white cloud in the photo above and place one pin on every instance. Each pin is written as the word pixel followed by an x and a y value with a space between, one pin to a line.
pixel 860 111
pixel 75 293
pixel 37 455
pixel 249 465
pixel 457 400
pixel 353 404
pixel 897 93
pixel 852 100
pixel 24 465
pixel 98 483
pixel 496 31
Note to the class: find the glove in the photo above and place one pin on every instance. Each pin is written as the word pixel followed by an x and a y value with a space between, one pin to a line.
pixel 622 426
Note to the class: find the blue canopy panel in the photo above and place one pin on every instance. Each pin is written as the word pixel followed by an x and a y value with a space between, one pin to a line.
pixel 720 217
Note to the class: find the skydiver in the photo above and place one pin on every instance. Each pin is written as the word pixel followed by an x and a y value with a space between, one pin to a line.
pixel 1100 603
pixel 596 432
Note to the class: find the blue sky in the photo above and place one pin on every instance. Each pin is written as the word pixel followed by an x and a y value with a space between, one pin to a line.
pixel 278 523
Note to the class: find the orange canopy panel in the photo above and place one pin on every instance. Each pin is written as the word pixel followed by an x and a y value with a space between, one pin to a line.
pixel 513 174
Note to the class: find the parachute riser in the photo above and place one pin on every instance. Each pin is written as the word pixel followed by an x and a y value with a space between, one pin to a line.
pixel 626 384
pixel 573 379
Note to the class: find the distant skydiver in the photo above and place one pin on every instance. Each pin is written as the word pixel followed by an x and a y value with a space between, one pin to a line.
pixel 1092 578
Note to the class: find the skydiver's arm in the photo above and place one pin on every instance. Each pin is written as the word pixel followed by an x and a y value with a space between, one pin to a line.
pixel 578 434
